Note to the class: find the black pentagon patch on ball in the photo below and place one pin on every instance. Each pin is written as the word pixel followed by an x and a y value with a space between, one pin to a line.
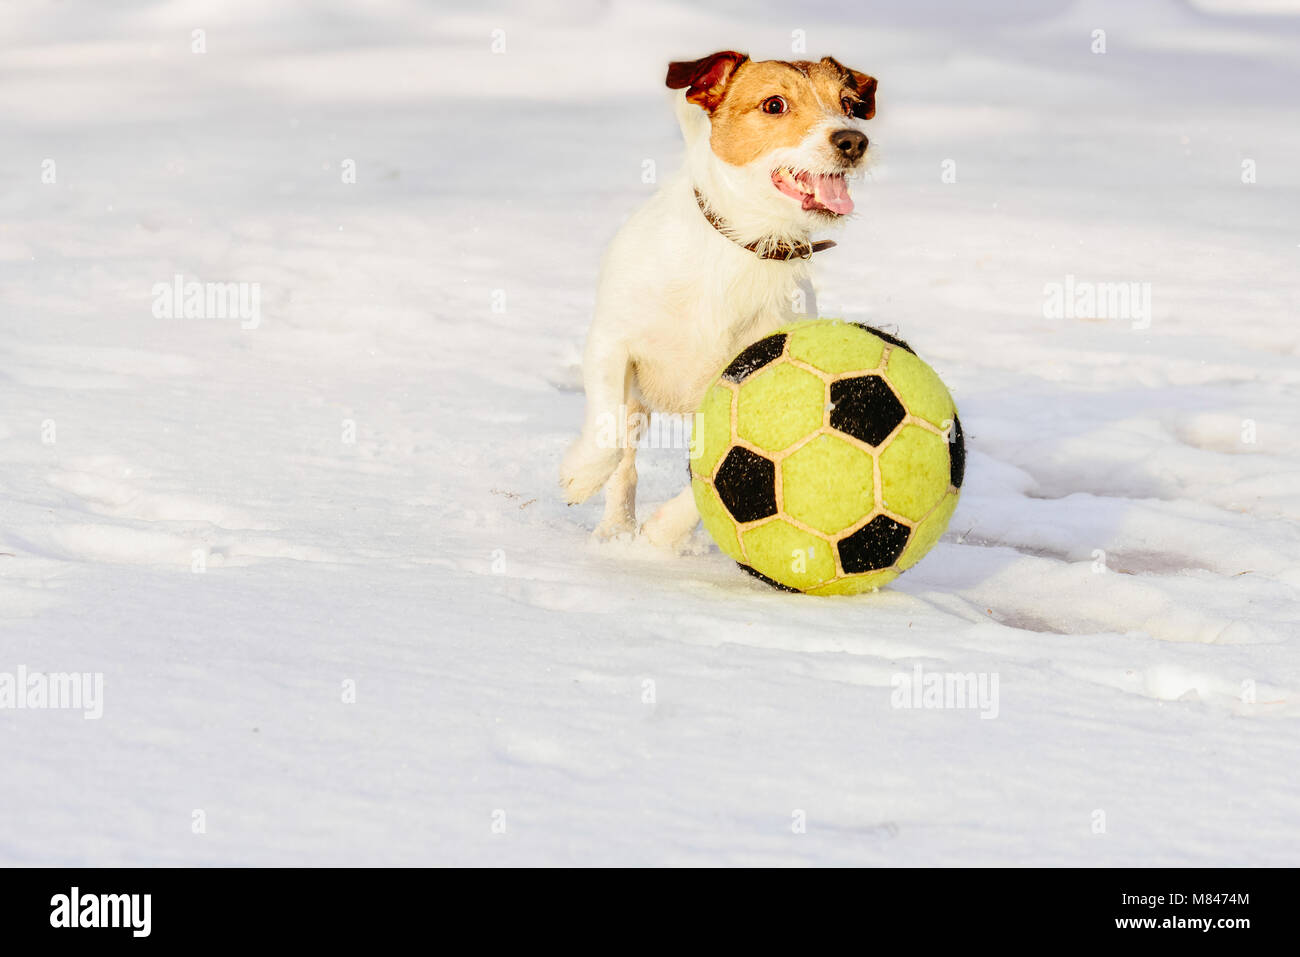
pixel 865 408
pixel 763 578
pixel 956 454
pixel 752 358
pixel 892 340
pixel 875 545
pixel 746 483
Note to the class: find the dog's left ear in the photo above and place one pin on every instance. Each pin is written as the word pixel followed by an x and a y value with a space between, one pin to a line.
pixel 863 85
pixel 705 80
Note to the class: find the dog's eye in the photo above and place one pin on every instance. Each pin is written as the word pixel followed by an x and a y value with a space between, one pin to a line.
pixel 849 106
pixel 774 105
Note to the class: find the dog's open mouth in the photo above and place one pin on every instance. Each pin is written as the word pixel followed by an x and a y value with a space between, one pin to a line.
pixel 824 192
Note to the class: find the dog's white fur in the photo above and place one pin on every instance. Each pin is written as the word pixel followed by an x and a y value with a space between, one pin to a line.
pixel 677 300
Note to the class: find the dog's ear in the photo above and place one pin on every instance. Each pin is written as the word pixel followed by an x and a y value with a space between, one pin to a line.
pixel 864 86
pixel 705 80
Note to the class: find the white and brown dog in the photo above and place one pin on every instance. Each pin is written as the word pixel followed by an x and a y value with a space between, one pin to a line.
pixel 716 260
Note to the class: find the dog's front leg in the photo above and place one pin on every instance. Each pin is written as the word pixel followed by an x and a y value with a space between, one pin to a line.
pixel 673 520
pixel 620 490
pixel 595 454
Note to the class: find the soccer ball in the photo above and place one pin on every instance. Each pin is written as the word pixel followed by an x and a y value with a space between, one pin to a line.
pixel 827 458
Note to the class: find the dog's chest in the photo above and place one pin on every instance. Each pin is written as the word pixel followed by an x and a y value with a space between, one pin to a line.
pixel 712 317
pixel 748 301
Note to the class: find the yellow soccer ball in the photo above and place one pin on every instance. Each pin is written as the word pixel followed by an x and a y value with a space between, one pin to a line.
pixel 827 458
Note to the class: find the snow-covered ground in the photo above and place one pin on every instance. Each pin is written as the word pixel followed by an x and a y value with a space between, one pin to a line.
pixel 241 527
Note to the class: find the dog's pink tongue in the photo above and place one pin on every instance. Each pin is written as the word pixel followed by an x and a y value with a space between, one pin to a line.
pixel 833 193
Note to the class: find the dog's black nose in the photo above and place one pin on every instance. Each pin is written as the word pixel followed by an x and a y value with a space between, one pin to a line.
pixel 850 143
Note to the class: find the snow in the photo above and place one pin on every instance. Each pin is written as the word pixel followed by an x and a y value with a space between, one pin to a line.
pixel 181 509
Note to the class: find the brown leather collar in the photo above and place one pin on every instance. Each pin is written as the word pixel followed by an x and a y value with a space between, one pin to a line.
pixel 782 251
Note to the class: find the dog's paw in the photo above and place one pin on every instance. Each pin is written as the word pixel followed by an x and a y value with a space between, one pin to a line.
pixel 585 469
pixel 669 526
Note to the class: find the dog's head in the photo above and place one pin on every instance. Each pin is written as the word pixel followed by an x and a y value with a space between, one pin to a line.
pixel 792 129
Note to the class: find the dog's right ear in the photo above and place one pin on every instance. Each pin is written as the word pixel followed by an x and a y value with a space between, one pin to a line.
pixel 705 80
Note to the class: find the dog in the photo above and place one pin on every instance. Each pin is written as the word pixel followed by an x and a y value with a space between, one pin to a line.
pixel 716 260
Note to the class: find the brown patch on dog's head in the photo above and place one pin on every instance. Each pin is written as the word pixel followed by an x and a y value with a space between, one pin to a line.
pixel 758 106
pixel 863 86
